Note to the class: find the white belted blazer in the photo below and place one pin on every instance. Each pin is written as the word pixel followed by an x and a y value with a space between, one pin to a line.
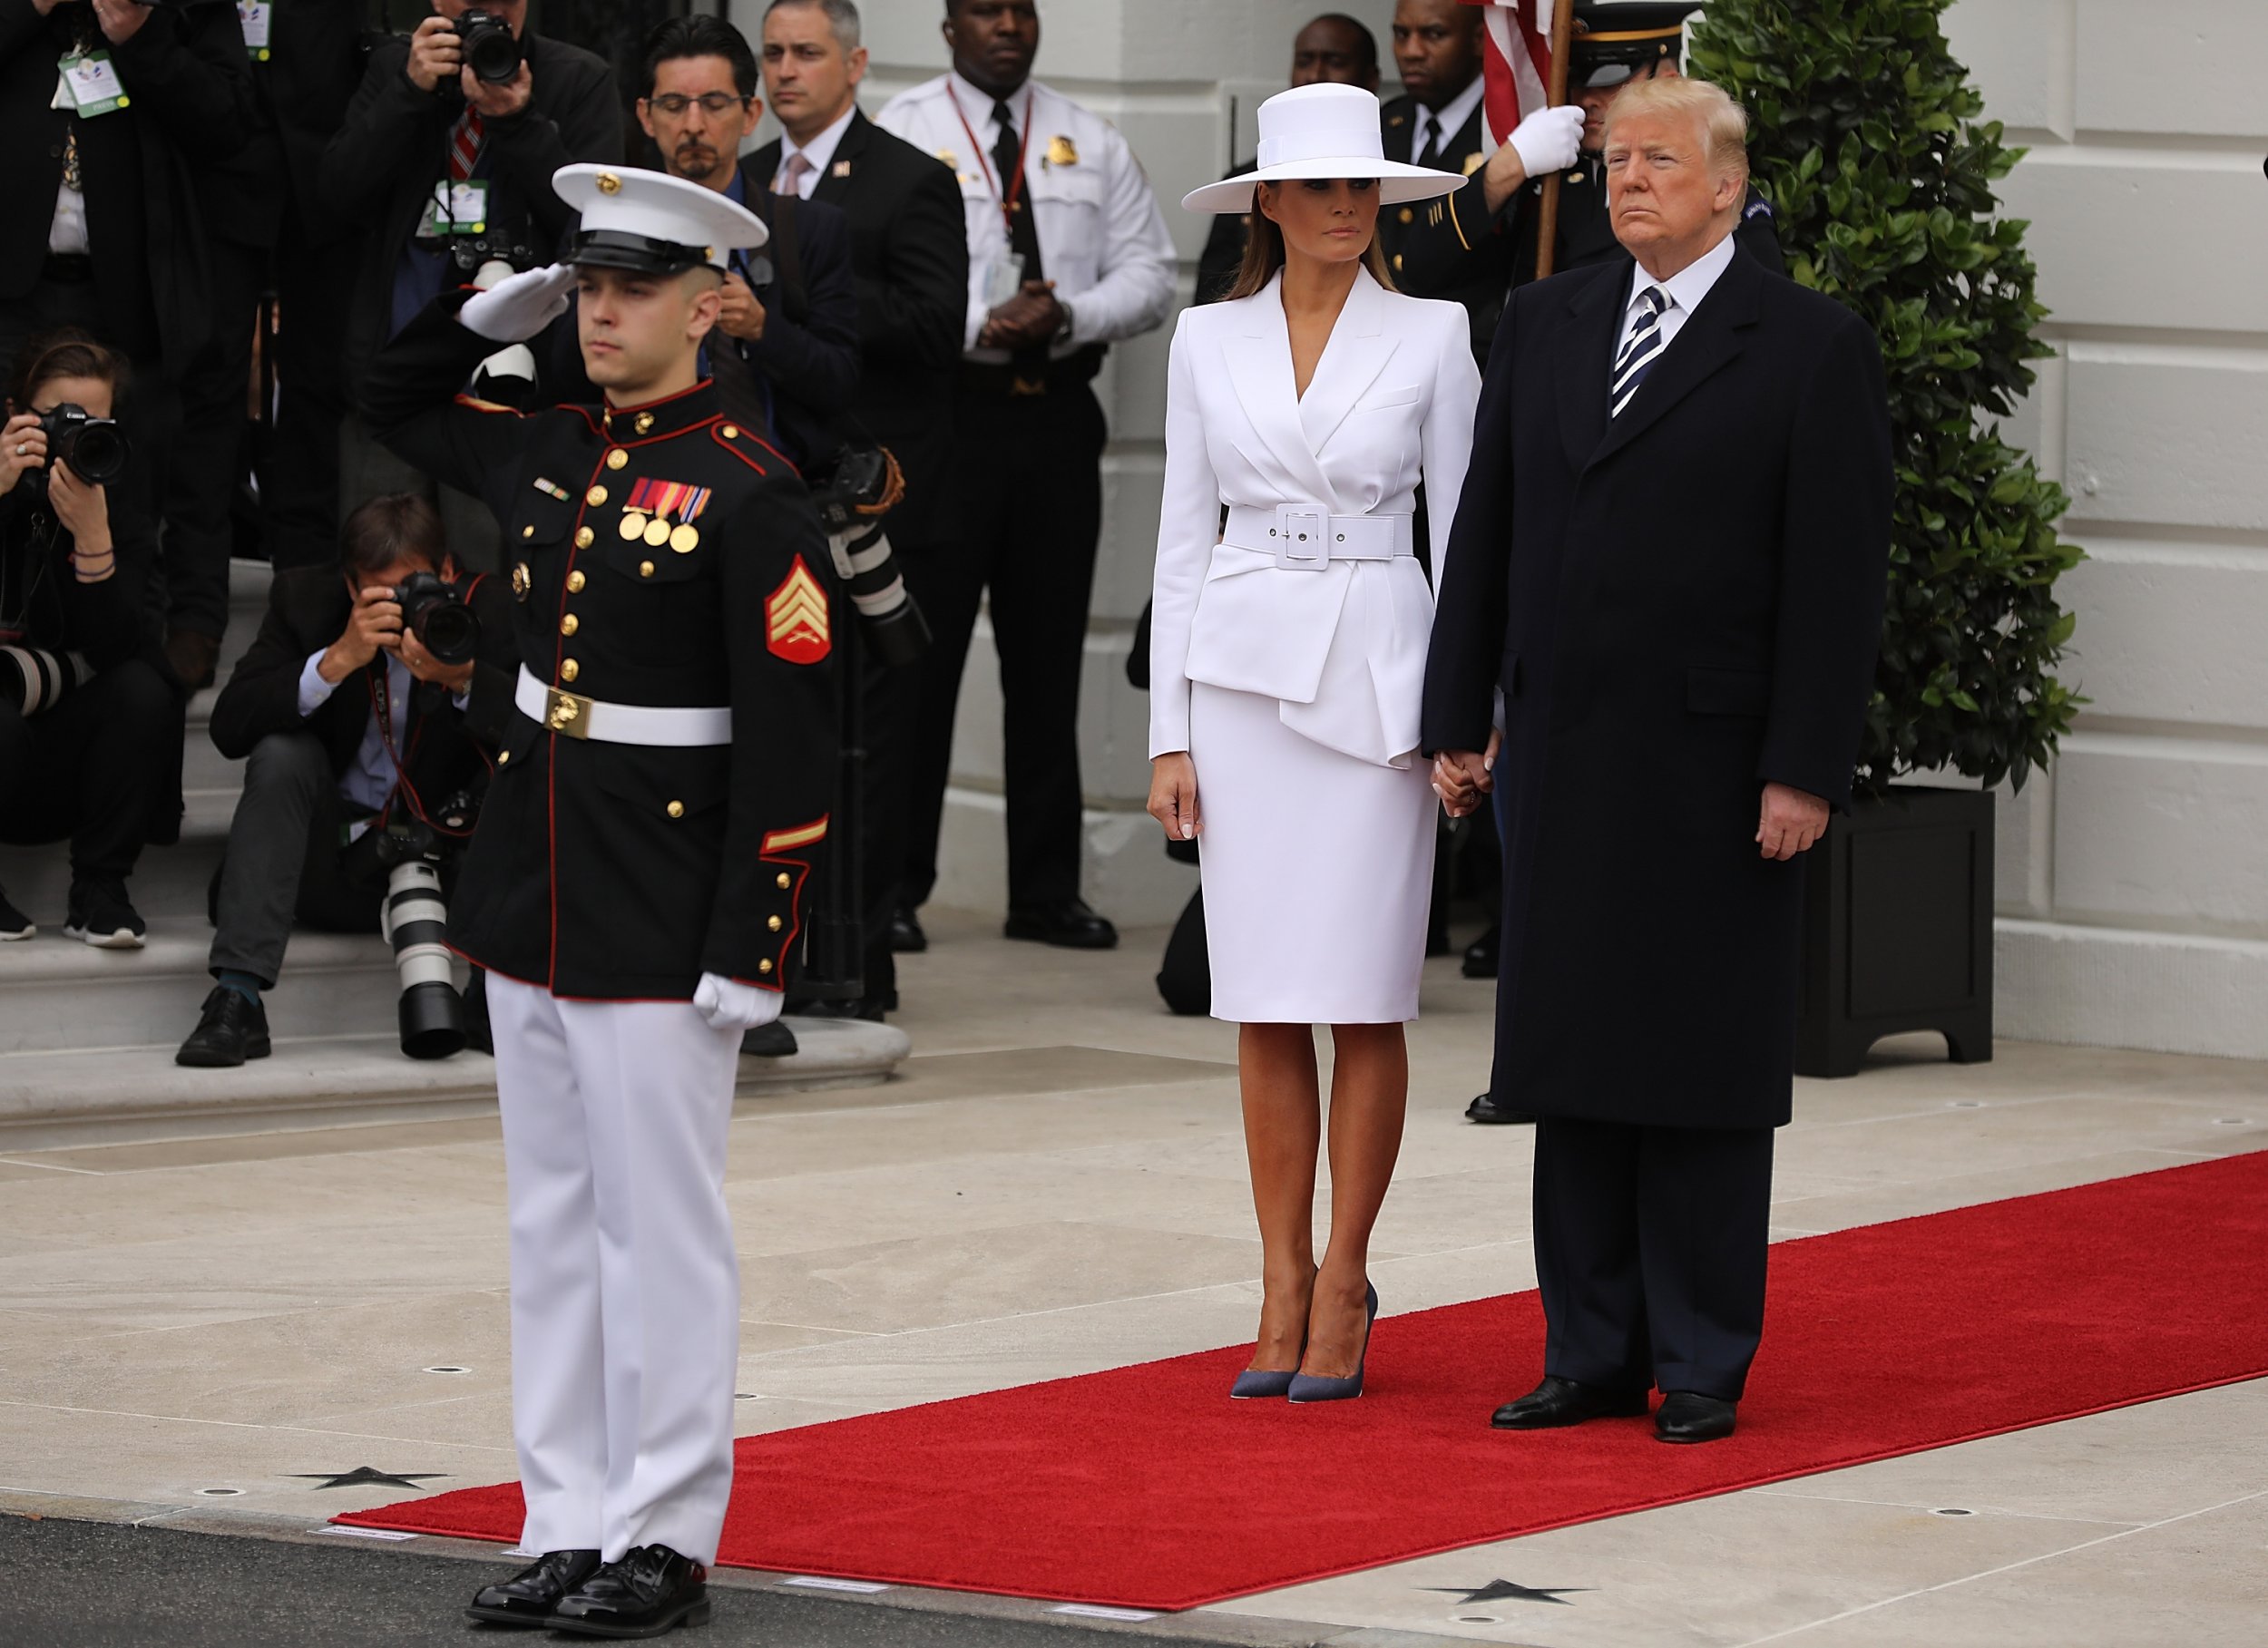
pixel 1342 643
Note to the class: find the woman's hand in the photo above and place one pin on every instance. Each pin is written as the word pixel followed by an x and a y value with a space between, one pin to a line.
pixel 1173 795
pixel 23 446
pixel 84 510
pixel 1461 777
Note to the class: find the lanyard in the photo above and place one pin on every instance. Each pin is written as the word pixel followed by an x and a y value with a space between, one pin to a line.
pixel 1015 185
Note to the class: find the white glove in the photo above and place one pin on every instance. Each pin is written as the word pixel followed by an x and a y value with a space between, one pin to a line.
pixel 512 311
pixel 1549 140
pixel 729 1005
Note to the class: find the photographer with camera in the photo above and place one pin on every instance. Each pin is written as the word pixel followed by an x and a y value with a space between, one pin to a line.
pixel 447 154
pixel 90 729
pixel 361 712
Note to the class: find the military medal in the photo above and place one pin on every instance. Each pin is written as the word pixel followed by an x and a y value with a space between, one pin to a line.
pixel 662 512
pixel 633 525
pixel 657 532
pixel 685 539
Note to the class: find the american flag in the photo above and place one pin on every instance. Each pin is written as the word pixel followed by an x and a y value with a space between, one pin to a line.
pixel 1516 57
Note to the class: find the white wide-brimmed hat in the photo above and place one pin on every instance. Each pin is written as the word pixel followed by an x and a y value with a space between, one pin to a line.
pixel 1322 131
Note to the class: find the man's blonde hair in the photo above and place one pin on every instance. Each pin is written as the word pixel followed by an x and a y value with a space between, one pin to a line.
pixel 1725 121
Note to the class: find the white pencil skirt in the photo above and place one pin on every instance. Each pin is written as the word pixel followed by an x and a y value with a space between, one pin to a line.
pixel 1318 870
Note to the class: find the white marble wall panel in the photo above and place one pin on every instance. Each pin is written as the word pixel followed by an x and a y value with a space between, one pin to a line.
pixel 2172 632
pixel 2162 830
pixel 2176 68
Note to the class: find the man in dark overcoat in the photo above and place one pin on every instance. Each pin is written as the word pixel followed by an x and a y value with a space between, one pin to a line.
pixel 1670 555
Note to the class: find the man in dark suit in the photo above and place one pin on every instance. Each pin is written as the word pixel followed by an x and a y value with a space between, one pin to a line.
pixel 1670 556
pixel 424 131
pixel 910 257
pixel 346 723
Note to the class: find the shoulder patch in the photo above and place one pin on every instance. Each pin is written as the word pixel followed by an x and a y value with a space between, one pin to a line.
pixel 796 617
pixel 1758 207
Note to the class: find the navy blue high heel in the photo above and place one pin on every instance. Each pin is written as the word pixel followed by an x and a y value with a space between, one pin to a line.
pixel 1313 1388
pixel 1264 1383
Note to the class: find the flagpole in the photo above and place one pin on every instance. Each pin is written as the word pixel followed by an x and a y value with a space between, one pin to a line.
pixel 1547 218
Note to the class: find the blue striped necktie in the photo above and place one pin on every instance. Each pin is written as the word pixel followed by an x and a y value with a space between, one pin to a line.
pixel 1639 356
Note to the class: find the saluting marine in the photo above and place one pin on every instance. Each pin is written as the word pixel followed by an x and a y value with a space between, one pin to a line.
pixel 633 886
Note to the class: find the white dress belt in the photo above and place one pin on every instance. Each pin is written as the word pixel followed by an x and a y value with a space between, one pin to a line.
pixel 574 717
pixel 1304 538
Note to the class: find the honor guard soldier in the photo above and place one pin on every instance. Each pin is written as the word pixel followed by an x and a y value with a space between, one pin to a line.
pixel 1486 231
pixel 1068 254
pixel 634 884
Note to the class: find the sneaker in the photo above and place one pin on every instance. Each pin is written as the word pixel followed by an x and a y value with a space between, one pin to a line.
pixel 230 1029
pixel 14 925
pixel 100 915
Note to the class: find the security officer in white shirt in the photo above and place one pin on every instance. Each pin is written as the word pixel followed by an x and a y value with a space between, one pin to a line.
pixel 1068 254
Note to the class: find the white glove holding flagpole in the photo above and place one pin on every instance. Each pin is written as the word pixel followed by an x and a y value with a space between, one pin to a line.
pixel 1549 140
pixel 727 1004
pixel 515 309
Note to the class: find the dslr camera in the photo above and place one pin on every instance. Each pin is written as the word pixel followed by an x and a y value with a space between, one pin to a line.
pixel 854 491
pixel 96 448
pixel 414 919
pixel 489 49
pixel 435 613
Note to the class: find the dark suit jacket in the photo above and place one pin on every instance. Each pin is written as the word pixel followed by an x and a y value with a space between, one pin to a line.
pixel 1680 605
pixel 303 91
pixel 307 610
pixel 1477 286
pixel 382 165
pixel 910 260
pixel 811 360
pixel 190 105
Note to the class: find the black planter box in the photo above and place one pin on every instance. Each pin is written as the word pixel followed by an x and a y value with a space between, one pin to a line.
pixel 1898 930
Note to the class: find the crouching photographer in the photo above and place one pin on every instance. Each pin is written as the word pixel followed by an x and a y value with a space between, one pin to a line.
pixel 364 714
pixel 89 731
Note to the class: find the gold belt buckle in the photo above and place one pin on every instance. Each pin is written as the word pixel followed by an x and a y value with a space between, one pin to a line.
pixel 563 712
pixel 1021 385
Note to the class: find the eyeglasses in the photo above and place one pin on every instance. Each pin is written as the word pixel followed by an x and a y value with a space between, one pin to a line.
pixel 711 102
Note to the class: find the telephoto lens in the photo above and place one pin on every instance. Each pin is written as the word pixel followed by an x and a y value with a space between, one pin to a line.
pixel 491 49
pixel 415 920
pixel 855 490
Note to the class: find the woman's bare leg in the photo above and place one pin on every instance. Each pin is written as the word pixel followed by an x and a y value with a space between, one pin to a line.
pixel 1369 1090
pixel 1275 1067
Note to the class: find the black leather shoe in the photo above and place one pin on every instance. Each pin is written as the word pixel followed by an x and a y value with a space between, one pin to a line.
pixel 906 936
pixel 1486 1109
pixel 1069 925
pixel 1688 1416
pixel 1561 1401
pixel 773 1041
pixel 651 1591
pixel 1481 954
pixel 528 1597
pixel 230 1029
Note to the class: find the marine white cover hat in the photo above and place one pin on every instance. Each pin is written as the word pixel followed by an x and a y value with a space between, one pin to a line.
pixel 637 219
pixel 1322 131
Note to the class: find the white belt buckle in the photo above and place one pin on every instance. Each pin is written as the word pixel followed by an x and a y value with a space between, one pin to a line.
pixel 1300 543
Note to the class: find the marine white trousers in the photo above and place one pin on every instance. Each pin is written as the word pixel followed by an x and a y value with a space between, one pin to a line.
pixel 625 1287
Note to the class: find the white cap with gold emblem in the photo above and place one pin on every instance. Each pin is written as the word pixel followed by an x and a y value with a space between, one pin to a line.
pixel 647 221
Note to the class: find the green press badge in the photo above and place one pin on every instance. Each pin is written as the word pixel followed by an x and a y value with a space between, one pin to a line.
pixel 254 15
pixel 455 208
pixel 91 80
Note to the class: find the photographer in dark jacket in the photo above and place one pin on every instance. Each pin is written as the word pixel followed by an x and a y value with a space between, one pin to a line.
pixel 425 133
pixel 89 731
pixel 345 724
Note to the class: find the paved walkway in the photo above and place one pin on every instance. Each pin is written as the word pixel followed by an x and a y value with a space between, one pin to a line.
pixel 216 1325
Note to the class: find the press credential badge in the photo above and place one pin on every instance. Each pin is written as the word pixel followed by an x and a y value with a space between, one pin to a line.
pixel 92 81
pixel 254 15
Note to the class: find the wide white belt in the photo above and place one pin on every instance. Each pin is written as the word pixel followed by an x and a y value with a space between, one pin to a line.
pixel 575 717
pixel 1305 539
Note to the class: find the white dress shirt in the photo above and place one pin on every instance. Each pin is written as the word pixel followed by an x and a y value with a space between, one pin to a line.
pixel 370 778
pixel 1449 122
pixel 1685 290
pixel 817 153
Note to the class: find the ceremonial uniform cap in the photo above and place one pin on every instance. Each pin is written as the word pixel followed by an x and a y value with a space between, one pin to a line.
pixel 1617 39
pixel 650 221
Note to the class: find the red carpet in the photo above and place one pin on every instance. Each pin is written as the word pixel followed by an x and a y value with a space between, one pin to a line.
pixel 1145 1486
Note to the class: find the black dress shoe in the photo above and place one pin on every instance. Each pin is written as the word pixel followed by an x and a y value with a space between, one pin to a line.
pixel 1486 1109
pixel 1481 954
pixel 528 1597
pixel 773 1041
pixel 1069 925
pixel 906 936
pixel 652 1590
pixel 1688 1416
pixel 1561 1401
pixel 231 1028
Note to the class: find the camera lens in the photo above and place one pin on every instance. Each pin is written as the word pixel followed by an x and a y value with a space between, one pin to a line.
pixel 97 453
pixel 448 631
pixel 490 49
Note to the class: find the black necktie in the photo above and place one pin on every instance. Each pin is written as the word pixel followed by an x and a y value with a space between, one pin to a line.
pixel 1023 234
pixel 1431 156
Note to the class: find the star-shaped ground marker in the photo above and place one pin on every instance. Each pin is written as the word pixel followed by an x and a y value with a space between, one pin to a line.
pixel 1504 1590
pixel 364 1476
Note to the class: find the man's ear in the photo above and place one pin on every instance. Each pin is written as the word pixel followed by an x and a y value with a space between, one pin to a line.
pixel 855 65
pixel 701 313
pixel 645 115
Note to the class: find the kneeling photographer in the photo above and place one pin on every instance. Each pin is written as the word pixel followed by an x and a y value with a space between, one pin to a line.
pixel 363 712
pixel 90 730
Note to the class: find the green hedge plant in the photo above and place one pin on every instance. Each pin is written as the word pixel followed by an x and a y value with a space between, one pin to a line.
pixel 1869 143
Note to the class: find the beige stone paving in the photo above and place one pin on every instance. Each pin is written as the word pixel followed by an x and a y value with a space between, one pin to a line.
pixel 1056 1185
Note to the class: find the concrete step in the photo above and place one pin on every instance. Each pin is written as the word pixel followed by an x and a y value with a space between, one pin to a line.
pixel 169 882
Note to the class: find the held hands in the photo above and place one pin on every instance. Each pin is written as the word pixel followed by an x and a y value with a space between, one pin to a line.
pixel 1462 777
pixel 515 309
pixel 1173 795
pixel 727 1004
pixel 1032 317
pixel 1792 821
pixel 23 446
pixel 742 315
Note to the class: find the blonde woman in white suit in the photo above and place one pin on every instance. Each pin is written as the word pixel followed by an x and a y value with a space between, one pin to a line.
pixel 1287 662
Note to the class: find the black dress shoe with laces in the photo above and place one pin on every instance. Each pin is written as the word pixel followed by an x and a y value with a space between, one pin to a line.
pixel 528 1597
pixel 230 1029
pixel 99 914
pixel 1688 1416
pixel 651 1591
pixel 1480 960
pixel 906 936
pixel 1486 1109
pixel 1069 925
pixel 1558 1402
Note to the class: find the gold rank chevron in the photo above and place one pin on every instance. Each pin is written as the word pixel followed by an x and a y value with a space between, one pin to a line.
pixel 796 616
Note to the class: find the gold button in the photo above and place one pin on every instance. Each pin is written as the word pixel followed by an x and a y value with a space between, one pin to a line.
pixel 677 809
pixel 1397 263
pixel 642 423
pixel 582 541
pixel 764 967
pixel 775 923
pixel 502 755
pixel 575 581
pixel 645 568
pixel 527 532
pixel 569 670
pixel 570 624
pixel 617 458
pixel 786 881
pixel 1407 215
pixel 595 496
pixel 731 432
